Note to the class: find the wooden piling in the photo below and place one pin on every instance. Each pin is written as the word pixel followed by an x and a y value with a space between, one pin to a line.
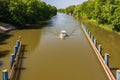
pixel 5 74
pixel 95 42
pixel 15 49
pixel 118 75
pixel 19 38
pixel 18 43
pixel 100 49
pixel 92 38
pixel 106 58
pixel 12 59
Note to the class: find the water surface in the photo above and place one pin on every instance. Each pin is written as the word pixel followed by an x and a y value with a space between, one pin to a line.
pixel 47 57
pixel 110 42
pixel 56 59
pixel 29 37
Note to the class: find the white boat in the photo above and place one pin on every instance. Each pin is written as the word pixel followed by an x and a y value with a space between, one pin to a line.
pixel 63 34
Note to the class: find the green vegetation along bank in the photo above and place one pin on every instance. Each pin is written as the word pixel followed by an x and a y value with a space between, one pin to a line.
pixel 101 12
pixel 22 12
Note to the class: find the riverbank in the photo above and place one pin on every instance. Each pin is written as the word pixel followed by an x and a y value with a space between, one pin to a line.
pixel 4 27
pixel 93 22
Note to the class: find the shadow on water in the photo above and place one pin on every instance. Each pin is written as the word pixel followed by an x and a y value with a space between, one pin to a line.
pixel 3 37
pixel 4 53
pixel 21 58
pixel 114 69
pixel 38 25
pixel 1 64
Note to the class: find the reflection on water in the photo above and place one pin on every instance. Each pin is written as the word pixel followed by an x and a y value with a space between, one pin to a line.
pixel 110 42
pixel 47 57
pixel 59 23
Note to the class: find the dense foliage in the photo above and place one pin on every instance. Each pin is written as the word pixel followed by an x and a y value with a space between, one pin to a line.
pixel 21 12
pixel 68 10
pixel 105 12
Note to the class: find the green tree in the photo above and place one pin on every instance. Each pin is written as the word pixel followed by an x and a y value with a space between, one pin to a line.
pixel 116 19
pixel 70 9
pixel 105 12
pixel 4 10
pixel 61 10
pixel 21 12
pixel 84 10
pixel 17 13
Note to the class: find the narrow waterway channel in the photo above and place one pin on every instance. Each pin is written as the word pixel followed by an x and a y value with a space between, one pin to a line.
pixel 47 57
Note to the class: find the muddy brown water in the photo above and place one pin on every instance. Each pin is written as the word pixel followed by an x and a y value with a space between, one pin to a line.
pixel 110 42
pixel 47 57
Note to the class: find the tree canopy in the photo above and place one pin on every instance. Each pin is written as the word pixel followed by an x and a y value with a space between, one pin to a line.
pixel 21 12
pixel 106 12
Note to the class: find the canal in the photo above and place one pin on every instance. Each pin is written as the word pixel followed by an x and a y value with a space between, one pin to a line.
pixel 47 57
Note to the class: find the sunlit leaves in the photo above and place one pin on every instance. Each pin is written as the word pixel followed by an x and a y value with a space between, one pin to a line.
pixel 21 12
pixel 103 11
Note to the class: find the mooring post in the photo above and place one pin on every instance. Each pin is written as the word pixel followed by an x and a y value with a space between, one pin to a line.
pixel 19 38
pixel 5 74
pixel 106 58
pixel 95 42
pixel 85 29
pixel 118 75
pixel 12 59
pixel 15 50
pixel 89 33
pixel 18 43
pixel 100 49
pixel 92 38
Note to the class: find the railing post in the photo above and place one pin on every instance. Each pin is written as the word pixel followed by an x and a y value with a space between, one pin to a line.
pixel 106 58
pixel 89 33
pixel 12 59
pixel 15 50
pixel 92 38
pixel 118 75
pixel 5 74
pixel 18 43
pixel 95 42
pixel 100 49
pixel 19 38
